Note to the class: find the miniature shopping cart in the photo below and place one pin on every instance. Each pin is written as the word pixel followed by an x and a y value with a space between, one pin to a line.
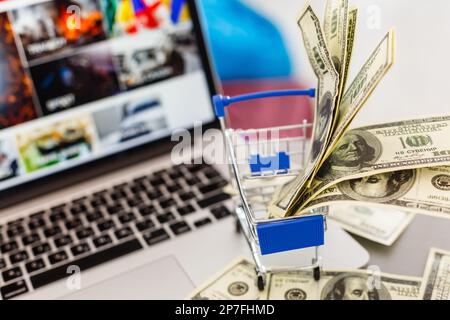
pixel 260 160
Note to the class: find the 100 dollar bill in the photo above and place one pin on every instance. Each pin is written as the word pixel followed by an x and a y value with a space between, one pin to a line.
pixel 293 198
pixel 382 148
pixel 379 62
pixel 436 279
pixel 351 33
pixel 342 285
pixel 373 223
pixel 425 190
pixel 327 91
pixel 335 30
pixel 235 282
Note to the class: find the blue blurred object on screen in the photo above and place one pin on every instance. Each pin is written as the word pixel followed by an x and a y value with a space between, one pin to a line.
pixel 245 45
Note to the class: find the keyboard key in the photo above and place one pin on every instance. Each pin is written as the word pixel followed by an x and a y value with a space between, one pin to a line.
pixel 80 200
pixel 180 227
pixel 12 274
pixel 193 168
pixel 2 264
pixel 114 209
pixel 146 210
pixel 78 209
pixel 57 216
pixel 15 222
pixel 220 212
pixel 58 208
pixel 202 222
pixel 34 224
pixel 211 173
pixel 14 289
pixel 127 217
pixel 193 181
pixel 154 194
pixel 176 174
pixel 121 187
pixel 73 224
pixel 102 241
pixel 118 195
pixel 186 210
pixel 123 233
pixel 58 257
pixel 14 231
pixel 94 216
pixel 186 196
pixel 53 231
pixel 84 233
pixel 18 257
pixel 37 215
pixel 80 249
pixel 158 173
pixel 157 182
pixel 138 188
pixel 62 241
pixel 207 202
pixel 166 203
pixel 98 202
pixel 30 239
pixel 173 188
pixel 140 179
pixel 144 225
pixel 40 249
pixel 135 201
pixel 35 265
pixel 44 278
pixel 212 187
pixel 9 246
pixel 166 217
pixel 156 236
pixel 100 193
pixel 105 225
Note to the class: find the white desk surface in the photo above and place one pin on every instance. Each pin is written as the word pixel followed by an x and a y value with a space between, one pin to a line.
pixel 417 86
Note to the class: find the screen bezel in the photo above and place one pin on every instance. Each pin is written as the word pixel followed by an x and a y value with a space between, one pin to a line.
pixel 106 164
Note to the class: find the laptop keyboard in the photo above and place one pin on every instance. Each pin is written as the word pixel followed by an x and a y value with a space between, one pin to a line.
pixel 38 249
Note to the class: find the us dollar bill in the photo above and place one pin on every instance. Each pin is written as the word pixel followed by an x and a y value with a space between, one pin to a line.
pixel 236 282
pixel 327 91
pixel 436 279
pixel 351 33
pixel 359 91
pixel 424 190
pixel 382 148
pixel 335 30
pixel 378 64
pixel 342 285
pixel 373 223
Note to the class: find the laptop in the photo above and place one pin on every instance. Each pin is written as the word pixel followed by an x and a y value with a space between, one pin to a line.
pixel 92 205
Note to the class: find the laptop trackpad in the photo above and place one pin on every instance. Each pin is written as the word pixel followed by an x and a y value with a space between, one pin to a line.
pixel 162 279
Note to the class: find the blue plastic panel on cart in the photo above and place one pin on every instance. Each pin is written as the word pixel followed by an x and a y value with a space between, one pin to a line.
pixel 292 234
pixel 280 161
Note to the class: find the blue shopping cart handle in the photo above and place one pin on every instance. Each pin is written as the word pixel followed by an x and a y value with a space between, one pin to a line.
pixel 221 102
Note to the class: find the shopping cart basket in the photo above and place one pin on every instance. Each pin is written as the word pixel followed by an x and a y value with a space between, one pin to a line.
pixel 259 161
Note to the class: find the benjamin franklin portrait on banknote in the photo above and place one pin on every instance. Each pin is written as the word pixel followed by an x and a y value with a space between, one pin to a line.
pixel 354 286
pixel 382 187
pixel 355 151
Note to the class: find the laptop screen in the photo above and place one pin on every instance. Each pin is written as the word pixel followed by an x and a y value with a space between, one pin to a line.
pixel 84 79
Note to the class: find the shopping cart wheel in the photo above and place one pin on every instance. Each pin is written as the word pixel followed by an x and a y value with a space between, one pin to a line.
pixel 316 273
pixel 261 282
